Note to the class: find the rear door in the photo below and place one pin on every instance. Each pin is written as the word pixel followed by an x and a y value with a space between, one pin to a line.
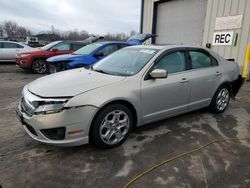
pixel 204 78
pixel 165 97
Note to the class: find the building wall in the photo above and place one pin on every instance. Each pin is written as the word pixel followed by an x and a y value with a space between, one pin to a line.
pixel 218 8
pixel 215 8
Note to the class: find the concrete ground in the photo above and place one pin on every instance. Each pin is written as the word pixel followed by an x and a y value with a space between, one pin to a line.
pixel 27 163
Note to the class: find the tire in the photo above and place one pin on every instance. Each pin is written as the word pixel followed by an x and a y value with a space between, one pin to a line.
pixel 111 126
pixel 39 66
pixel 52 68
pixel 220 99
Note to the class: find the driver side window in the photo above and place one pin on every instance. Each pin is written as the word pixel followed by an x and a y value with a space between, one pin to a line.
pixel 172 62
pixel 62 47
pixel 108 49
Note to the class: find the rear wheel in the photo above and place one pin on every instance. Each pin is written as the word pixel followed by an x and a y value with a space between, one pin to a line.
pixel 220 99
pixel 39 66
pixel 111 126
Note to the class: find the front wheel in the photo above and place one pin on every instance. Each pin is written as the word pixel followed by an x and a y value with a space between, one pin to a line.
pixel 52 68
pixel 220 99
pixel 39 66
pixel 111 126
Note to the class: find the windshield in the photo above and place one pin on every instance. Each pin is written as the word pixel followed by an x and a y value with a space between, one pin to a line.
pixel 125 62
pixel 87 49
pixel 50 45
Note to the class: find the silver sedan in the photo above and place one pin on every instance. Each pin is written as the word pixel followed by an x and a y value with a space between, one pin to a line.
pixel 8 50
pixel 132 87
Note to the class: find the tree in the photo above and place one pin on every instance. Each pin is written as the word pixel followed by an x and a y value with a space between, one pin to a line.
pixel 10 28
pixel 23 32
pixel 1 31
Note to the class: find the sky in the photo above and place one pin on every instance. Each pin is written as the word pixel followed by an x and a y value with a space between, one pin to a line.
pixel 94 16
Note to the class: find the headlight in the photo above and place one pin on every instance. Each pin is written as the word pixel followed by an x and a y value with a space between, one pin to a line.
pixel 48 107
pixel 22 55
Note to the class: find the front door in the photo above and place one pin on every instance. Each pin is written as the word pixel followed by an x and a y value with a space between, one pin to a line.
pixel 62 48
pixel 161 98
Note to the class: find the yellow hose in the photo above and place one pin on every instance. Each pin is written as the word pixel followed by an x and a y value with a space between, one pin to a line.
pixel 179 156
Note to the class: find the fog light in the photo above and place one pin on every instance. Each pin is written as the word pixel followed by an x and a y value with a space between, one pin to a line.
pixel 55 133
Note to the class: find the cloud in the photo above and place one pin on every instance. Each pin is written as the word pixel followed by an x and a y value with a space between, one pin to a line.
pixel 94 16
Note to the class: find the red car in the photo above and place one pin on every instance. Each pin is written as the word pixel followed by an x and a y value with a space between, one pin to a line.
pixel 35 60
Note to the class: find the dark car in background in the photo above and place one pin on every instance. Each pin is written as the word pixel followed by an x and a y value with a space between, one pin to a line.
pixel 35 60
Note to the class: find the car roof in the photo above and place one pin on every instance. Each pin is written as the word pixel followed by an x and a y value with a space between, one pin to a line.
pixel 9 41
pixel 14 42
pixel 167 46
pixel 70 41
pixel 112 42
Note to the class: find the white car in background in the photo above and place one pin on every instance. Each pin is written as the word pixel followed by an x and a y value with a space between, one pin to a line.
pixel 8 50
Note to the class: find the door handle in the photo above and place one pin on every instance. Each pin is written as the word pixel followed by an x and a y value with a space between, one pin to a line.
pixel 184 80
pixel 218 73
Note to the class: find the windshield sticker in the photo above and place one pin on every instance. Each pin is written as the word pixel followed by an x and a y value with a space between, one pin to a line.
pixel 147 51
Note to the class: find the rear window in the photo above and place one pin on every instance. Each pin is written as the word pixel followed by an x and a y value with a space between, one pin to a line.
pixel 10 45
pixel 76 46
pixel 202 60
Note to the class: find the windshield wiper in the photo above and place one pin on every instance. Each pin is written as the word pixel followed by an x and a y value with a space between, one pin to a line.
pixel 99 70
pixel 105 72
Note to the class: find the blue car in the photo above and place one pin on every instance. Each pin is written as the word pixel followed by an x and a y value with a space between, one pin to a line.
pixel 90 54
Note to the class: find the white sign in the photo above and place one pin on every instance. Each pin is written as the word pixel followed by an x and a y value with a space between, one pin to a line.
pixel 223 38
pixel 228 22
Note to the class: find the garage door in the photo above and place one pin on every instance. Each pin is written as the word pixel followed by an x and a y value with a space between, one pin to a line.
pixel 180 21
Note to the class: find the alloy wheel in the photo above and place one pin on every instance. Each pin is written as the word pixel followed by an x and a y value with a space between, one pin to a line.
pixel 40 67
pixel 114 127
pixel 222 99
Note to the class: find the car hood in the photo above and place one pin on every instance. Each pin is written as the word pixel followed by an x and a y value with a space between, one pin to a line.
pixel 30 50
pixel 65 57
pixel 71 83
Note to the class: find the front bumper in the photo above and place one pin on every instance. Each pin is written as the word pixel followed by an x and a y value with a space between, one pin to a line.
pixel 23 62
pixel 71 120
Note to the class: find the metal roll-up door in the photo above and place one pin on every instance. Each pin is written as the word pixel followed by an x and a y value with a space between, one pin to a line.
pixel 180 21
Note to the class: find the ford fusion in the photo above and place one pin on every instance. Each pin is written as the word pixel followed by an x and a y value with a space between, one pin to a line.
pixel 134 86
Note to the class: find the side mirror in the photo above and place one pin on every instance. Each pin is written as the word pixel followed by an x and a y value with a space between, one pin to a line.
pixel 158 73
pixel 98 54
pixel 54 50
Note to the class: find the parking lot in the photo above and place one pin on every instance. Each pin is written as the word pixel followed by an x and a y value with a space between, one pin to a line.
pixel 27 163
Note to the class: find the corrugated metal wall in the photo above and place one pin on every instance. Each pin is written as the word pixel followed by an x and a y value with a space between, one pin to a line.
pixel 218 8
pixel 148 16
pixel 215 8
